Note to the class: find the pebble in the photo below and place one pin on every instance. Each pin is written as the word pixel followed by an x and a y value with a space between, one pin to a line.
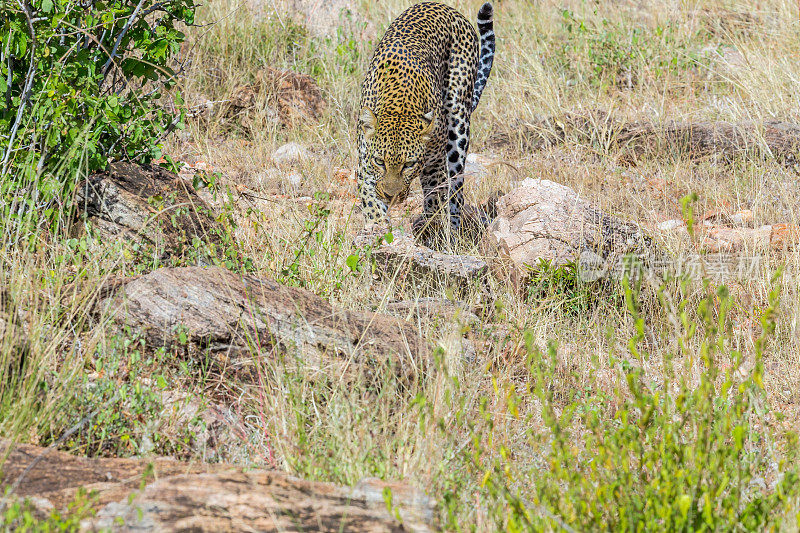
pixel 290 154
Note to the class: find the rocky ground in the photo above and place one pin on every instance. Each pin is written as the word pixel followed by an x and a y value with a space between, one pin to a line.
pixel 236 357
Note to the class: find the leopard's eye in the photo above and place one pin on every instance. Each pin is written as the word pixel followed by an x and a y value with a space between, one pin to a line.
pixel 379 162
pixel 409 165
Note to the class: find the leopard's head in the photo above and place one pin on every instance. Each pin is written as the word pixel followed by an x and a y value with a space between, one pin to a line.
pixel 397 143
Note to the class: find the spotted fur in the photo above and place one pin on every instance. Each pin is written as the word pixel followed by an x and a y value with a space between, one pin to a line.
pixel 423 83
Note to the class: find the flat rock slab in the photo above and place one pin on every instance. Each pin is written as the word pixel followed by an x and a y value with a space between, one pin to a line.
pixel 404 259
pixel 54 476
pixel 236 318
pixel 544 220
pixel 189 496
pixel 260 501
pixel 147 205
pixel 732 237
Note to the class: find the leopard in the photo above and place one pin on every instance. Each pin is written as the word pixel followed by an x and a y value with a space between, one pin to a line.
pixel 423 83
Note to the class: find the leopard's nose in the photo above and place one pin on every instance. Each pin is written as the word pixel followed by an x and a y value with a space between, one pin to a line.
pixel 393 189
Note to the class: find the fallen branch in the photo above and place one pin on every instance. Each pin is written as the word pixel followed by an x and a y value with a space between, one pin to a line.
pixel 725 140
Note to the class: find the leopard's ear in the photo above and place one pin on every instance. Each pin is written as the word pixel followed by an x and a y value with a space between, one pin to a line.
pixel 425 135
pixel 368 122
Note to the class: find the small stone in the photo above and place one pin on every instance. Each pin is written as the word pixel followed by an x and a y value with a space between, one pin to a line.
pixel 290 154
pixel 742 219
pixel 475 168
pixel 294 179
pixel 670 225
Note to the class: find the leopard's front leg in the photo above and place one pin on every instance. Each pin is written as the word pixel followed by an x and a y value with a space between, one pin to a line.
pixel 376 217
pixel 374 209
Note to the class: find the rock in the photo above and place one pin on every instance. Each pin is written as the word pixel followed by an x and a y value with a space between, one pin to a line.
pixel 404 259
pixel 671 225
pixel 218 434
pixel 294 179
pixel 147 205
pixel 721 233
pixel 281 96
pixel 290 154
pixel 161 494
pixel 542 219
pixel 740 219
pixel 476 168
pixel 297 96
pixel 262 501
pixel 721 238
pixel 718 238
pixel 56 476
pixel 234 318
pixel 783 236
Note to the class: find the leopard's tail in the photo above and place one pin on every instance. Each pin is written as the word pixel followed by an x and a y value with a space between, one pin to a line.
pixel 486 31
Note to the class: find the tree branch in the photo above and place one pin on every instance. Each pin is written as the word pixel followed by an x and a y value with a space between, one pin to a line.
pixel 121 35
pixel 26 90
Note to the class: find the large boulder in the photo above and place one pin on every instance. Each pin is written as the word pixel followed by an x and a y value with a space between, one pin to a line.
pixel 160 494
pixel 233 317
pixel 264 501
pixel 543 220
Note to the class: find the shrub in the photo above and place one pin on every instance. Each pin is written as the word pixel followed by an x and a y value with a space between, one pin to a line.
pixel 666 450
pixel 79 82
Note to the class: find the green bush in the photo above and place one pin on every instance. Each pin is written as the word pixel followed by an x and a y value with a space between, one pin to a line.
pixel 683 444
pixel 80 84
pixel 20 514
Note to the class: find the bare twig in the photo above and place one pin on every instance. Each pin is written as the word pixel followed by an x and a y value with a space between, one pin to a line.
pixel 121 35
pixel 155 7
pixel 26 89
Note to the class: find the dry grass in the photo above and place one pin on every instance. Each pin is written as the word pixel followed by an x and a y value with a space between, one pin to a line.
pixel 710 60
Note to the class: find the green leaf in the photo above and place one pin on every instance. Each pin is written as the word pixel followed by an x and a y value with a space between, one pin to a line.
pixel 352 262
pixel 47 6
pixel 684 501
